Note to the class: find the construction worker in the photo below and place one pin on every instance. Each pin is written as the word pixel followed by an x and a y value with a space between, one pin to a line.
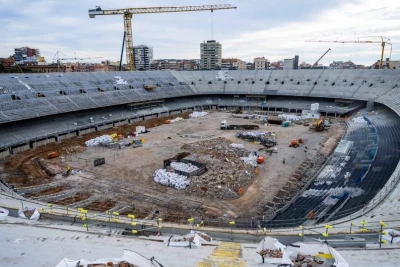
pixel 283 160
pixel 310 215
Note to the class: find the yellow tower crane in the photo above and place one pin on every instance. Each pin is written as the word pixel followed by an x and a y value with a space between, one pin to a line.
pixel 128 12
pixel 383 41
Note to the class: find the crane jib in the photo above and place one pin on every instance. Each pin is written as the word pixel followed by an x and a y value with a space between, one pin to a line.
pixel 128 12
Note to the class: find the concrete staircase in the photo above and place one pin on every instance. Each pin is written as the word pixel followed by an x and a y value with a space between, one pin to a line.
pixel 226 254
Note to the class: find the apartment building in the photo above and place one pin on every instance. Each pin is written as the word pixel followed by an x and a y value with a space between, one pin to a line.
pixel 143 55
pixel 210 55
pixel 233 64
pixel 261 63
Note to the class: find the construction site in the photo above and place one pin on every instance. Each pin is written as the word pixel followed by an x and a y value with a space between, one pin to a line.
pixel 229 188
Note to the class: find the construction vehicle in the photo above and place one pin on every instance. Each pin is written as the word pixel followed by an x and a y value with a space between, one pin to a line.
pixel 268 150
pixel 294 143
pixel 383 41
pixel 225 126
pixel 128 12
pixel 67 172
pixel 318 126
pixel 238 111
pixel 53 154
pixel 316 62
pixel 267 142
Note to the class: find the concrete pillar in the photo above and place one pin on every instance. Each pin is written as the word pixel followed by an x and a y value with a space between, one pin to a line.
pixel 370 105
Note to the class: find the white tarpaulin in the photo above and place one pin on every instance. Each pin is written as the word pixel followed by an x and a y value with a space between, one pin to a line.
pixel 271 251
pixel 319 251
pixel 171 179
pixel 204 238
pixel 30 214
pixel 392 236
pixel 3 214
pixel 129 256
pixel 184 167
pixel 196 114
pixel 183 241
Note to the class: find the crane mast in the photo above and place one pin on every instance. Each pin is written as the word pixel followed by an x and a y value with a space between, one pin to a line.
pixel 129 12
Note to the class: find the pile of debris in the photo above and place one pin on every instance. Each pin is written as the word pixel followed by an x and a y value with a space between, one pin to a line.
pixel 71 150
pixel 196 114
pixel 251 135
pixel 227 174
pixel 49 168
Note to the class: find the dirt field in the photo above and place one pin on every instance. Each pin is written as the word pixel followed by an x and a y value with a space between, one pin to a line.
pixel 126 180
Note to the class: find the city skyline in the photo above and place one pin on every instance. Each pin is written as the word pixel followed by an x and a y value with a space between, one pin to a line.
pixel 276 30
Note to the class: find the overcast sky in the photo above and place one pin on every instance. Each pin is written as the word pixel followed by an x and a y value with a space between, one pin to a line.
pixel 271 28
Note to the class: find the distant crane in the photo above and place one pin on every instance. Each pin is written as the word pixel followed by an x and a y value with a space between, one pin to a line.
pixel 316 63
pixel 383 41
pixel 128 12
pixel 72 58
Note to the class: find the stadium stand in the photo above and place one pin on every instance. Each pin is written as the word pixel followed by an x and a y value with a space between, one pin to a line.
pixel 78 96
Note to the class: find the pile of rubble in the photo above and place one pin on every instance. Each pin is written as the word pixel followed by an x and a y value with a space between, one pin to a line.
pixel 227 174
pixel 71 150
pixel 50 169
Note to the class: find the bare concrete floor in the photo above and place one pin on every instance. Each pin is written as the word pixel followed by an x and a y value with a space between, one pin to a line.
pixel 127 176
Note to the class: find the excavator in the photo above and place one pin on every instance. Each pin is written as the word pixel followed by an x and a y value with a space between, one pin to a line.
pixel 319 125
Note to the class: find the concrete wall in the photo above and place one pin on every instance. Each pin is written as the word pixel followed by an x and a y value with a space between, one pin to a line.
pixel 148 117
pixel 136 119
pixel 165 114
pixel 15 150
pixel 4 154
pixel 66 136
pixel 86 131
pixel 120 123
pixel 175 112
pixel 104 127
pixel 43 142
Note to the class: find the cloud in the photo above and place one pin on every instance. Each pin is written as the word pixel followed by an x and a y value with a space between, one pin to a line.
pixel 274 29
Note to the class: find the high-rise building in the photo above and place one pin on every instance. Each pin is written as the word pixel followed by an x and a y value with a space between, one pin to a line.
pixel 296 62
pixel 288 64
pixel 210 55
pixel 261 63
pixel 26 54
pixel 143 55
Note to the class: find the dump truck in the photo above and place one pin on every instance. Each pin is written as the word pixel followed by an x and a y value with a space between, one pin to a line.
pixel 225 126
